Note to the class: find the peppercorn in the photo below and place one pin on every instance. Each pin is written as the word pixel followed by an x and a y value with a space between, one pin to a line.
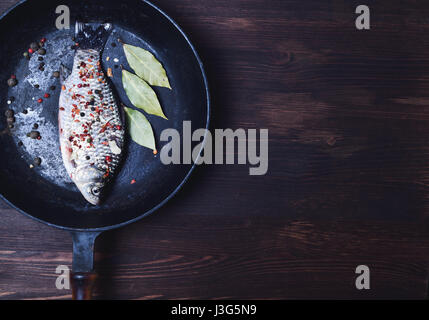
pixel 37 161
pixel 11 126
pixel 34 46
pixel 26 55
pixel 42 69
pixel 35 126
pixel 42 64
pixel 36 86
pixel 20 143
pixel 40 100
pixel 34 134
pixel 42 51
pixel 82 114
pixel 40 58
pixel 41 44
pixel 47 95
pixel 9 113
pixel 56 74
pixel 12 82
pixel 88 157
pixel 25 111
pixel 52 88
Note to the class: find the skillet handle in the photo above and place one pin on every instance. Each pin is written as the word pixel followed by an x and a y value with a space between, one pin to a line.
pixel 82 284
pixel 83 276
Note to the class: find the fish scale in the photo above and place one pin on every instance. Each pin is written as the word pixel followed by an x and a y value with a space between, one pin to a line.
pixel 91 125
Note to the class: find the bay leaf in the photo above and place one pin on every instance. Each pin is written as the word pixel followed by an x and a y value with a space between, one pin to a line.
pixel 146 66
pixel 141 94
pixel 139 128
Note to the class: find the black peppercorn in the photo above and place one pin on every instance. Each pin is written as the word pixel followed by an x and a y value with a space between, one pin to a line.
pixel 12 82
pixel 9 113
pixel 34 134
pixel 34 46
pixel 37 161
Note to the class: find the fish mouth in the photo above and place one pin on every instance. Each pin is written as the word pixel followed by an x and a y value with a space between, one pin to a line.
pixel 93 201
pixel 89 181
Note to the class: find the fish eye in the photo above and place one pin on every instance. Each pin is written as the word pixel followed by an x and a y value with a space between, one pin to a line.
pixel 95 191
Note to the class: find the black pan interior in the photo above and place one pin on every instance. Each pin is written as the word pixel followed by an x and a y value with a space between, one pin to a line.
pixel 53 200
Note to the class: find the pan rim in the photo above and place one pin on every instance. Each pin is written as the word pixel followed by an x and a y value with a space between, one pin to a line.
pixel 184 180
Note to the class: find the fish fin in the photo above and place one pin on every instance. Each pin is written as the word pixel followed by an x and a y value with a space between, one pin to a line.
pixel 92 35
pixel 64 73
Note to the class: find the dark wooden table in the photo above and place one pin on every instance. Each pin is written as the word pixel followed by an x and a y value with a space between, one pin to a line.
pixel 348 181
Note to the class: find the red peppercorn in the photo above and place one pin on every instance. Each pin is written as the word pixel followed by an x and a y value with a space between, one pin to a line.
pixel 47 95
pixel 133 181
pixel 40 100
pixel 108 159
pixel 30 50
pixel 43 40
pixel 13 76
pixel 79 85
pixel 118 127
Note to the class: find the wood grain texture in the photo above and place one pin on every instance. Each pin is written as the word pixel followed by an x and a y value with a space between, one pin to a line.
pixel 348 181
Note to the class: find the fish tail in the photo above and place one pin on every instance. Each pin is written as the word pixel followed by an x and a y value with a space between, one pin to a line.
pixel 92 35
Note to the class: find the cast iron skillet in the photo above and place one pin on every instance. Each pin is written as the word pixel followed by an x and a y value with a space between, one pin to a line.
pixel 39 193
